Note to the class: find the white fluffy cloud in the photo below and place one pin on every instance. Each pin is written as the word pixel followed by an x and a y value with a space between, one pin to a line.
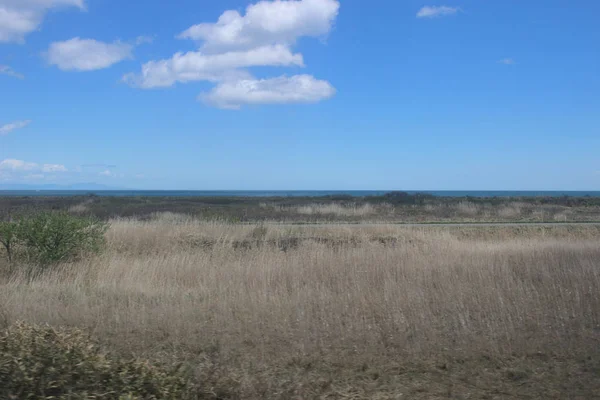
pixel 266 22
pixel 197 66
pixel 8 128
pixel 21 17
pixel 7 70
pixel 87 54
pixel 281 90
pixel 436 11
pixel 263 36
pixel 11 164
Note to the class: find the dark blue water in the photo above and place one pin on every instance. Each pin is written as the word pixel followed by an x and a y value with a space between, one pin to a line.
pixel 293 193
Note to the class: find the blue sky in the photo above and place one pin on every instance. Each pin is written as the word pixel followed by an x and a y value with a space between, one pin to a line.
pixel 301 94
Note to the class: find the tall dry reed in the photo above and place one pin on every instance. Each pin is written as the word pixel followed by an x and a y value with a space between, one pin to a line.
pixel 337 291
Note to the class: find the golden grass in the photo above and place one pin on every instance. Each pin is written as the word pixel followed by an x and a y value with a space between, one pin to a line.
pixel 332 209
pixel 80 208
pixel 336 209
pixel 467 208
pixel 513 211
pixel 269 298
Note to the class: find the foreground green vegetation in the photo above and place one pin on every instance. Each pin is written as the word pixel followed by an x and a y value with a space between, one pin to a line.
pixel 261 311
pixel 40 362
pixel 47 238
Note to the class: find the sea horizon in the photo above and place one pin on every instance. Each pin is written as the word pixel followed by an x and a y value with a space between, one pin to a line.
pixel 295 193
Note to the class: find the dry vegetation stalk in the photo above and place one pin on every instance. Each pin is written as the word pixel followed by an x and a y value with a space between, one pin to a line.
pixel 270 304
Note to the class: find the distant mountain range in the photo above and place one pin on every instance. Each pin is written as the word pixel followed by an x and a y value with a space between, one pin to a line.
pixel 75 186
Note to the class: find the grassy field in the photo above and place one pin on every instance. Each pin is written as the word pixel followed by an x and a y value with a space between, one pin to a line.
pixel 337 312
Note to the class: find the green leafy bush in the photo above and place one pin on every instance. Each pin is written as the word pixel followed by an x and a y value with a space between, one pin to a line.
pixel 8 238
pixel 40 362
pixel 48 238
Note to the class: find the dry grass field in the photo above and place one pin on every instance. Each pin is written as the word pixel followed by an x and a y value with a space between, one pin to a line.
pixel 338 312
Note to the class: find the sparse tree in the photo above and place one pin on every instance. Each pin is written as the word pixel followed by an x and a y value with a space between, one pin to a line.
pixel 8 238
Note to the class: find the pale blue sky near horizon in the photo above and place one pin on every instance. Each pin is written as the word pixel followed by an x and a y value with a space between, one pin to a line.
pixel 301 94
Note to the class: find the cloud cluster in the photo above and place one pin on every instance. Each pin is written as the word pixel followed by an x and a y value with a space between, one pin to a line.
pixel 196 66
pixel 18 18
pixel 8 128
pixel 17 170
pixel 10 164
pixel 436 11
pixel 264 23
pixel 11 168
pixel 87 54
pixel 262 37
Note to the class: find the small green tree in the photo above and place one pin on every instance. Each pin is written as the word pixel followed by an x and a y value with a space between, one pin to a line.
pixel 49 238
pixel 8 237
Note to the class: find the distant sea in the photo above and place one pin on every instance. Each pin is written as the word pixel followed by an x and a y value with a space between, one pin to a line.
pixel 293 193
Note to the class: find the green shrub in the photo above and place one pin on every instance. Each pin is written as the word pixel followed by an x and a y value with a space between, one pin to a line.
pixel 48 238
pixel 39 362
pixel 8 237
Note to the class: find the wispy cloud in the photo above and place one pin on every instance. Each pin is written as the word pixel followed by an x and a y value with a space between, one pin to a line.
pixel 34 177
pixel 10 164
pixel 507 61
pixel 99 165
pixel 111 174
pixel 144 39
pixel 8 128
pixel 436 11
pixel 7 70
pixel 54 168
